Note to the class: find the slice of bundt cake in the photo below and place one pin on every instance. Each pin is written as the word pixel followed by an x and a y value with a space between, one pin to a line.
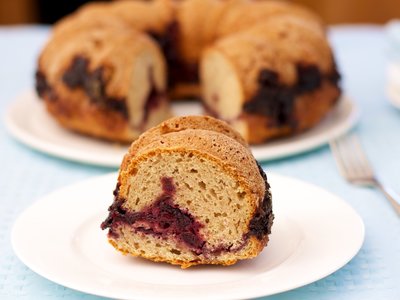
pixel 190 192
pixel 104 82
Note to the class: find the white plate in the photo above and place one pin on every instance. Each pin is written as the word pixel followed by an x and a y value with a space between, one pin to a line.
pixel 59 237
pixel 28 121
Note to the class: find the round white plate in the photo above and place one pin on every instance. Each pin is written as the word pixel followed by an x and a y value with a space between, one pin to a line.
pixel 28 121
pixel 59 237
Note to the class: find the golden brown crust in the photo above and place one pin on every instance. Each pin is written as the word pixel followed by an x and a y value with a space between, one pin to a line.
pixel 243 14
pixel 146 16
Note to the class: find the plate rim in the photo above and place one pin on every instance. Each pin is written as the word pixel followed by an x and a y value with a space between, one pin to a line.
pixel 292 148
pixel 33 267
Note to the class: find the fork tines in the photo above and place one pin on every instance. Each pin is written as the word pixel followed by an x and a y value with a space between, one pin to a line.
pixel 351 159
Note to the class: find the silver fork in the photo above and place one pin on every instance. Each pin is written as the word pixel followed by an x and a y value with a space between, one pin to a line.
pixel 355 167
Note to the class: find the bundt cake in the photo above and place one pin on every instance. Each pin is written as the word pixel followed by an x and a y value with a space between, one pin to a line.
pixel 190 192
pixel 265 65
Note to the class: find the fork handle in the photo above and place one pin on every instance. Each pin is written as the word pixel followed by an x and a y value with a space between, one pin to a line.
pixel 391 195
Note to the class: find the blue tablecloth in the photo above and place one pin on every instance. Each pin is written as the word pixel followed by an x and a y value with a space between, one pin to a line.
pixel 361 54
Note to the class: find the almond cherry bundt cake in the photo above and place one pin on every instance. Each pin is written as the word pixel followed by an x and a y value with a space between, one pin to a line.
pixel 265 65
pixel 189 192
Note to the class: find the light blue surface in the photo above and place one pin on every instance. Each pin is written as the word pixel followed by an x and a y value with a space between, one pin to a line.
pixel 374 273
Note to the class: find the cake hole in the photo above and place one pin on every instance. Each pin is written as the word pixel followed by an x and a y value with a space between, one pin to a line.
pixel 175 251
pixel 213 193
pixel 134 171
pixel 202 185
pixel 97 43
pixel 193 171
pixel 241 195
pixel 188 186
pixel 207 220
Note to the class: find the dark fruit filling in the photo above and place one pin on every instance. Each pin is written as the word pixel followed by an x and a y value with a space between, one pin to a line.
pixel 178 70
pixel 41 83
pixel 93 83
pixel 277 101
pixel 162 218
pixel 272 99
pixel 42 86
pixel 261 223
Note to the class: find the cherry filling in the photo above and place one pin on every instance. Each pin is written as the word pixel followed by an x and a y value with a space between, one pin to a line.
pixel 93 83
pixel 261 223
pixel 165 219
pixel 41 84
pixel 162 218
pixel 277 101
